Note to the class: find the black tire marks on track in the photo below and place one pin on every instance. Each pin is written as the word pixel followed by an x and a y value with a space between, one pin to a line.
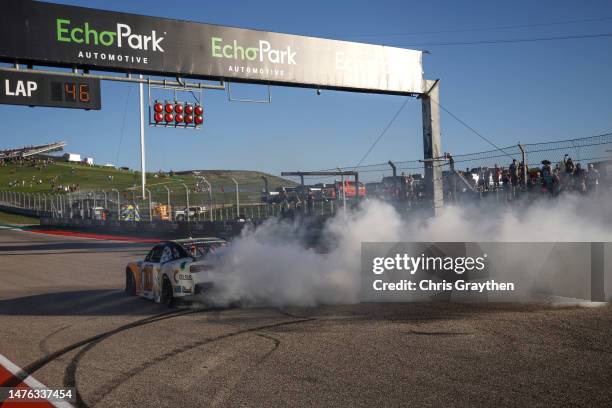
pixel 70 377
pixel 38 364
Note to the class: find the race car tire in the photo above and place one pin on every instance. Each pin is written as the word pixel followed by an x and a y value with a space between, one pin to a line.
pixel 167 297
pixel 130 285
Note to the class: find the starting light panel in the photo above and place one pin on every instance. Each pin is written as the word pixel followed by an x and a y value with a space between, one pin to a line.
pixel 51 90
pixel 176 114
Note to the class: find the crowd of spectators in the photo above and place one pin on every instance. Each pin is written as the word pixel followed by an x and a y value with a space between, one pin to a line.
pixel 54 183
pixel 548 178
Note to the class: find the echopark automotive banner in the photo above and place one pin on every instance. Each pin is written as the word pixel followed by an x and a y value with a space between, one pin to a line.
pixel 58 35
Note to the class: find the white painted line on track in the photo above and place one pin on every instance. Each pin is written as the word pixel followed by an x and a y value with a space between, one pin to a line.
pixel 29 380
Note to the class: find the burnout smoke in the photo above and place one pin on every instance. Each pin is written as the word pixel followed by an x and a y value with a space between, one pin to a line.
pixel 274 265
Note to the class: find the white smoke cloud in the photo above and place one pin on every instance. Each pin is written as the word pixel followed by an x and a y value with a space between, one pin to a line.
pixel 272 265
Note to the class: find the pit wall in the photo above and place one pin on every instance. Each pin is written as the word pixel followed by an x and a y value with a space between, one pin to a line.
pixel 30 212
pixel 157 229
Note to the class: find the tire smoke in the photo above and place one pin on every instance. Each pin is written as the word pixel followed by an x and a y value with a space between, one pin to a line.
pixel 276 264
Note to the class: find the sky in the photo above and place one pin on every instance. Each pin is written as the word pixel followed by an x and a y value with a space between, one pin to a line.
pixel 509 92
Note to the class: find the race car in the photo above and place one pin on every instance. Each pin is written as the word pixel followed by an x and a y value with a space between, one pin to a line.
pixel 173 270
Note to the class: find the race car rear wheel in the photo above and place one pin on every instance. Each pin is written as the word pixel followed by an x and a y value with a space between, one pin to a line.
pixel 167 297
pixel 130 285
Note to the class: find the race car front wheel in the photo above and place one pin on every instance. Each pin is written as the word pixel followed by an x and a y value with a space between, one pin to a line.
pixel 130 285
pixel 167 297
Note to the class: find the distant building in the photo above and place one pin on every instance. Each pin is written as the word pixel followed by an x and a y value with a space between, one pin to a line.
pixel 88 161
pixel 110 165
pixel 72 157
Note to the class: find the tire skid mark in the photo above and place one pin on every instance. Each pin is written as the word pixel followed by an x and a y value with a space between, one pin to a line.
pixel 38 364
pixel 120 379
pixel 43 344
pixel 221 396
pixel 277 343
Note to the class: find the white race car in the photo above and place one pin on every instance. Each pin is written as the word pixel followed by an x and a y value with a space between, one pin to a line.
pixel 173 270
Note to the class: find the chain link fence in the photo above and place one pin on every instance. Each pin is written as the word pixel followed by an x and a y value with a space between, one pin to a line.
pixel 481 173
pixel 129 206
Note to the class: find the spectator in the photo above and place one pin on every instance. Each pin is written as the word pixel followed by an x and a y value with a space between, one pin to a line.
pixel 514 173
pixel 496 177
pixel 556 181
pixel 592 179
pixel 569 165
pixel 506 184
pixel 579 179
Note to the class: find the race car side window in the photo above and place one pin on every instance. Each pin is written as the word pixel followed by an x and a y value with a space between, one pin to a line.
pixel 149 255
pixel 178 252
pixel 156 253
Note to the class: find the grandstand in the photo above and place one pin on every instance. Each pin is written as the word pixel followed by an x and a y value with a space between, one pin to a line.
pixel 28 151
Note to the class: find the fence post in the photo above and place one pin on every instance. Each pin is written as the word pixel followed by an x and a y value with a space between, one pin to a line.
pixel 524 160
pixel 150 206
pixel 118 203
pixel 210 199
pixel 187 195
pixel 237 198
pixel 169 206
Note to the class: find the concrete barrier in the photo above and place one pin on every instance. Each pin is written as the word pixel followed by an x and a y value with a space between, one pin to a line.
pixel 30 212
pixel 158 229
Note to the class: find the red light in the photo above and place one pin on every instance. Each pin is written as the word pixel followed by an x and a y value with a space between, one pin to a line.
pixel 189 109
pixel 188 118
pixel 169 117
pixel 178 117
pixel 178 108
pixel 158 107
pixel 199 110
pixel 199 119
pixel 169 108
pixel 158 117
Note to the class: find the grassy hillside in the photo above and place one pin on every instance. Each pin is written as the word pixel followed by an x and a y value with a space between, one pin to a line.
pixel 40 179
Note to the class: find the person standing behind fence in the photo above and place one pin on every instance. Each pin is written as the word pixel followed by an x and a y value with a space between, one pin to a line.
pixel 579 179
pixel 496 177
pixel 310 201
pixel 592 179
pixel 284 200
pixel 547 181
pixel 569 165
pixel 507 186
pixel 556 181
pixel 569 172
pixel 513 173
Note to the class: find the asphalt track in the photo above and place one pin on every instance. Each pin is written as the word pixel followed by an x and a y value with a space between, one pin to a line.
pixel 65 319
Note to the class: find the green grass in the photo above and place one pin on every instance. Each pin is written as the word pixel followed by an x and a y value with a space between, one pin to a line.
pixel 105 179
pixel 14 219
